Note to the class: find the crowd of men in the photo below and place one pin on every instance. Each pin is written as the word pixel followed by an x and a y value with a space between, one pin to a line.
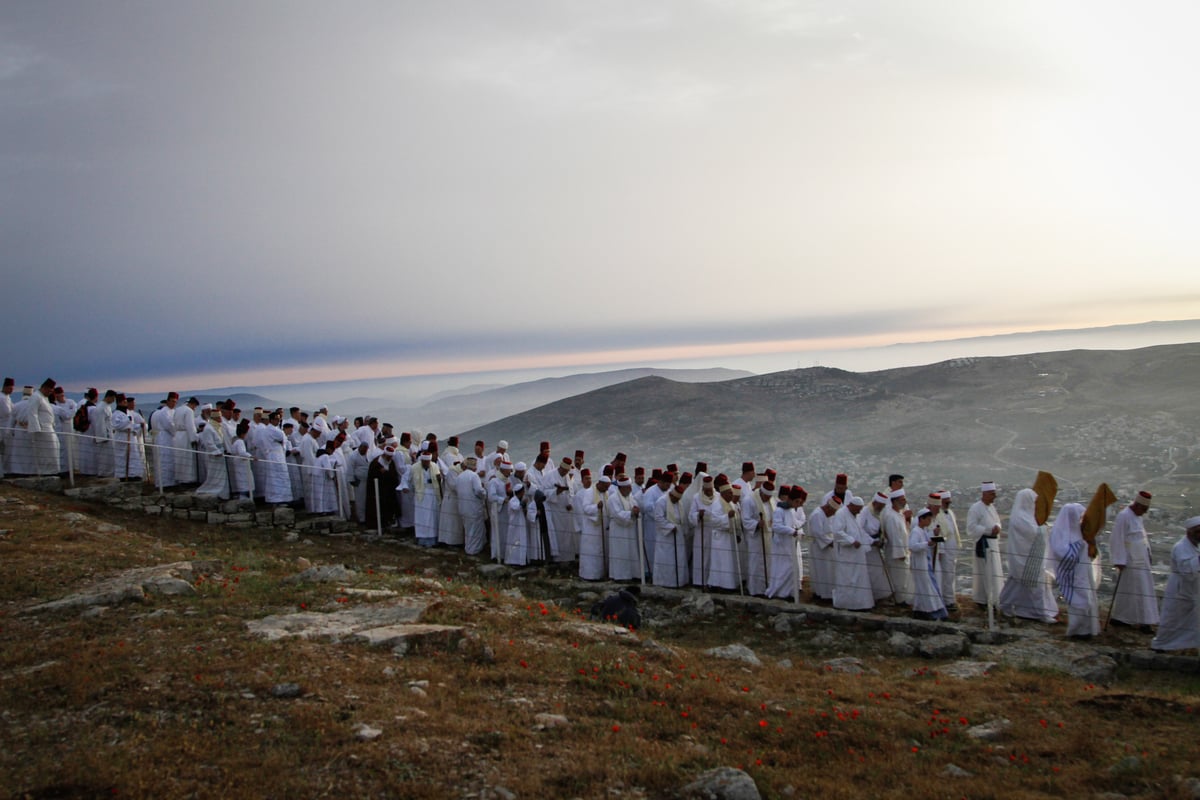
pixel 749 534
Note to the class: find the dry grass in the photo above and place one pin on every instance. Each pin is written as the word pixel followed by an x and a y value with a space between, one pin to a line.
pixel 173 698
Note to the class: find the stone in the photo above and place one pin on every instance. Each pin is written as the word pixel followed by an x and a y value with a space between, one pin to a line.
pixel 339 624
pixel 365 733
pixel 405 638
pixel 228 507
pixel 955 771
pixel 989 731
pixel 513 594
pixel 696 604
pixel 735 652
pixel 303 563
pixel 1129 765
pixel 369 594
pixel 784 663
pixel 205 502
pixel 846 666
pixel 782 623
pixel 283 516
pixel 966 669
pixel 197 515
pixel 901 644
pixel 168 585
pixel 183 501
pixel 723 783
pixel 548 721
pixel 329 573
pixel 216 518
pixel 942 645
pixel 286 690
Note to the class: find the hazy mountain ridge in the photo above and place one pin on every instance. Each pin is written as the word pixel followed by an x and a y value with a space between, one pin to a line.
pixel 1124 416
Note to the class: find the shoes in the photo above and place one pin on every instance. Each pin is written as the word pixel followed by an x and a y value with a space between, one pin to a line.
pixel 1145 629
pixel 1116 623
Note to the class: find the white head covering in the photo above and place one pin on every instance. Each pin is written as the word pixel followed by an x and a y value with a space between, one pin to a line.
pixel 1021 519
pixel 1190 523
pixel 880 497
pixel 521 466
pixel 1066 529
pixel 897 495
pixel 502 444
pixel 853 500
pixel 987 486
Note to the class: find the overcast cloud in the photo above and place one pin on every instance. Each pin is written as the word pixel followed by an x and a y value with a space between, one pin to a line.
pixel 200 188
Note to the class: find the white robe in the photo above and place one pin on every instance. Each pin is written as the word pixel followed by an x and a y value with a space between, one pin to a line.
pixel 450 524
pixel 787 564
pixel 623 559
pixel 128 427
pixel 43 437
pixel 1076 572
pixel 277 484
pixel 987 572
pixel 560 510
pixel 423 489
pixel 524 544
pixel 926 595
pixel 756 529
pixel 881 586
pixel 1027 592
pixel 162 428
pixel 68 449
pixel 212 450
pixel 593 544
pixel 948 555
pixel 1134 601
pixel 1179 628
pixel 324 499
pixel 821 555
pixel 359 465
pixel 720 568
pixel 852 582
pixel 6 424
pixel 241 479
pixel 184 442
pixel 670 550
pixel 497 498
pixel 472 508
pixel 894 530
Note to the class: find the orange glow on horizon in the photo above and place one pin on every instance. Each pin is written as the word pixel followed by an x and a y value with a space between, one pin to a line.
pixel 467 363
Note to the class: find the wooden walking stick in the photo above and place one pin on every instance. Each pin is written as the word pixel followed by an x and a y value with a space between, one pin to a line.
pixel 737 550
pixel 762 536
pixel 1120 574
pixel 703 566
pixel 603 536
pixel 641 544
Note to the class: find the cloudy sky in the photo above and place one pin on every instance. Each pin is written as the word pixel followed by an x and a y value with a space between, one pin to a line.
pixel 264 192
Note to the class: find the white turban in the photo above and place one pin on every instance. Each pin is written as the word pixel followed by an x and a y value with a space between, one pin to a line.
pixel 987 486
pixel 1190 523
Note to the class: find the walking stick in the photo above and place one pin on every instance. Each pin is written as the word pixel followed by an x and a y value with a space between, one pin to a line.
pixel 675 553
pixel 1117 586
pixel 762 535
pixel 737 553
pixel 799 567
pixel 603 537
pixel 703 568
pixel 378 512
pixel 641 542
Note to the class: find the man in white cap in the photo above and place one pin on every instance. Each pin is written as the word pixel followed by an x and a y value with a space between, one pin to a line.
pixel 1180 625
pixel 593 542
pixel 623 512
pixel 670 552
pixel 758 511
pixel 868 518
pixel 493 458
pixel 423 488
pixel 852 583
pixel 945 520
pixel 472 507
pixel 560 491
pixel 983 526
pixel 1134 600
pixel 497 497
pixel 893 523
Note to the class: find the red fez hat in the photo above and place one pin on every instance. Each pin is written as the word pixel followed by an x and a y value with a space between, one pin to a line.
pixel 608 469
pixel 672 468
pixel 722 480
pixel 172 395
pixel 771 474
pixel 544 446
pixel 579 454
pixel 639 470
pixel 685 477
pixel 768 487
pixel 586 473
pixel 747 466
pixel 784 490
pixel 567 462
pixel 841 479
pixel 701 466
pixel 798 493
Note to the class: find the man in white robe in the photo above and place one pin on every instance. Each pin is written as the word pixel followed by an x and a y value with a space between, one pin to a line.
pixel 1179 628
pixel 472 507
pixel 869 519
pixel 893 524
pixel 1134 601
pixel 983 528
pixel 787 526
pixel 560 491
pixel 758 510
pixel 423 488
pixel 623 514
pixel 820 548
pixel 273 447
pixel 211 448
pixel 1075 572
pixel 945 521
pixel 184 444
pixel 128 432
pixel 309 450
pixel 450 526
pixel 852 583
pixel 1027 592
pixel 359 465
pixel 704 498
pixel 6 422
pixel 162 426
pixel 670 552
pixel 926 596
pixel 593 541
pixel 497 497
pixel 64 418
pixel 38 418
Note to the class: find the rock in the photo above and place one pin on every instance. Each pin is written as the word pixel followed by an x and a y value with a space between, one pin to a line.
pixel 723 783
pixel 1189 786
pixel 989 731
pixel 657 647
pixel 342 624
pixel 954 771
pixel 406 638
pixel 966 669
pixel 503 794
pixel 418 691
pixel 782 623
pixel 846 666
pixel 369 594
pixel 901 644
pixel 1129 765
pixel 365 733
pixel 784 663
pixel 548 721
pixel 513 594
pixel 1094 668
pixel 283 516
pixel 696 604
pixel 942 645
pixel 167 585
pixel 303 563
pixel 329 573
pixel 94 611
pixel 492 570
pixel 735 652
pixel 286 690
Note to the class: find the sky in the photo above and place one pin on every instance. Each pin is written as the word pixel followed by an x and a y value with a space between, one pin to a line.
pixel 249 193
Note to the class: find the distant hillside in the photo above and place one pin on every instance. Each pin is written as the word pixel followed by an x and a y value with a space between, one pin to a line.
pixel 1127 417
pixel 463 409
